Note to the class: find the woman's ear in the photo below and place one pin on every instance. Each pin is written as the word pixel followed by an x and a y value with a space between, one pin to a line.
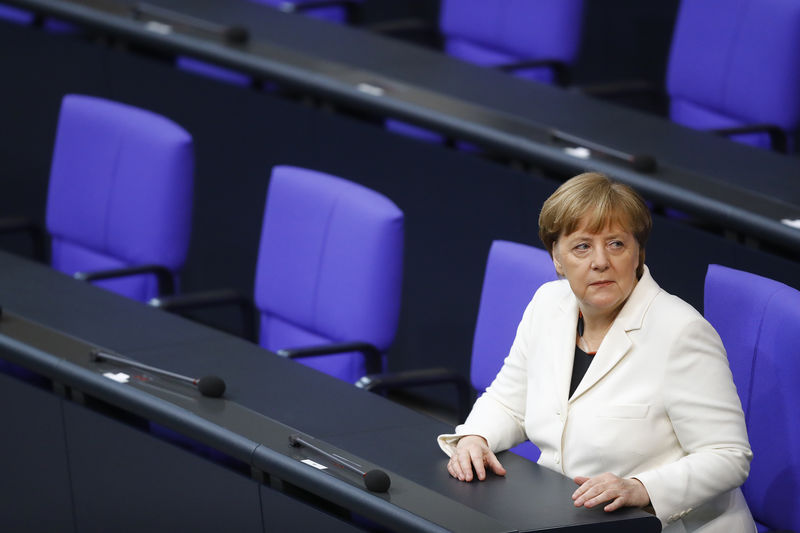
pixel 556 261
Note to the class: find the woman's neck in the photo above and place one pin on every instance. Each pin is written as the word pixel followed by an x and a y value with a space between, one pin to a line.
pixel 595 327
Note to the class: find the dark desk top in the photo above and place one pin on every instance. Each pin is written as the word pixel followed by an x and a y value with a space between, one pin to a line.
pixel 732 185
pixel 51 322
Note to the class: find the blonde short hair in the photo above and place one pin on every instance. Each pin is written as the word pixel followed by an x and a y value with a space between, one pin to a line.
pixel 602 202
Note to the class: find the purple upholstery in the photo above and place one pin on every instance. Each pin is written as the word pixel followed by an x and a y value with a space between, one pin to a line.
pixel 759 320
pixel 502 32
pixel 120 192
pixel 513 273
pixel 329 267
pixel 735 62
pixel 15 15
pixel 509 31
pixel 210 70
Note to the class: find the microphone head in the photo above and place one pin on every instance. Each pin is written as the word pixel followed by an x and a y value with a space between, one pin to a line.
pixel 377 480
pixel 644 163
pixel 211 386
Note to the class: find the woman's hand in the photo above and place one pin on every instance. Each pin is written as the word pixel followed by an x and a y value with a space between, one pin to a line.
pixel 473 451
pixel 621 492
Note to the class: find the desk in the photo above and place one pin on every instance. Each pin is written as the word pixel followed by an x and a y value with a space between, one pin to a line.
pixel 455 203
pixel 95 440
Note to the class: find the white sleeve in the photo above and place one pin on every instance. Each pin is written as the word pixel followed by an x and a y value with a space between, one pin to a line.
pixel 706 415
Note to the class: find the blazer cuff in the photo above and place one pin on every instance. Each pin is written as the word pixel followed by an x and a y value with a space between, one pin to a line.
pixel 660 502
pixel 448 442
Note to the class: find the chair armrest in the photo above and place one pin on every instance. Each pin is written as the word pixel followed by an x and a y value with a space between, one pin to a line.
pixel 777 137
pixel 166 283
pixel 203 300
pixel 9 225
pixel 416 378
pixel 371 354
pixel 559 68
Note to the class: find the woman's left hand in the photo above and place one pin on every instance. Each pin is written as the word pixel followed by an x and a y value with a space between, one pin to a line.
pixel 620 492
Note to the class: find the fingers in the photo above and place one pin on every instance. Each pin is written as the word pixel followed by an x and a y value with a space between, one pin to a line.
pixel 476 456
pixel 471 453
pixel 495 465
pixel 611 489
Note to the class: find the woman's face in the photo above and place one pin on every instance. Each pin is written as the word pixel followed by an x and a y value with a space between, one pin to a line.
pixel 600 267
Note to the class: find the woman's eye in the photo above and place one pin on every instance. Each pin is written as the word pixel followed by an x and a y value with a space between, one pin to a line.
pixel 581 247
pixel 616 244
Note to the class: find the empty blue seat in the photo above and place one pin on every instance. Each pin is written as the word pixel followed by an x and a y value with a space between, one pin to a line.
pixel 758 320
pixel 120 196
pixel 514 272
pixel 734 64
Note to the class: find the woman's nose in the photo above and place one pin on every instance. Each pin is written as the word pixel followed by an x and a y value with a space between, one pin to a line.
pixel 599 260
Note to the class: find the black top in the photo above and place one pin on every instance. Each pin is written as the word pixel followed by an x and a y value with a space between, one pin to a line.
pixel 579 368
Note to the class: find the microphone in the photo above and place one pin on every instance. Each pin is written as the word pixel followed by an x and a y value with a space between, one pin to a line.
pixel 640 162
pixel 375 480
pixel 230 34
pixel 211 386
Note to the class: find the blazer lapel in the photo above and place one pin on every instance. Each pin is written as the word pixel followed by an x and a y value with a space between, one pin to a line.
pixel 563 332
pixel 613 348
pixel 617 343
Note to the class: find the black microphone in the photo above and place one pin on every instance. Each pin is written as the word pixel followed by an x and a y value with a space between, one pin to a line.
pixel 375 480
pixel 211 386
pixel 640 162
pixel 230 34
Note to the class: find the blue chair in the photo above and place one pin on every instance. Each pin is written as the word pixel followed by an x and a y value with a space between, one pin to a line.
pixel 329 274
pixel 534 40
pixel 119 202
pixel 733 68
pixel 758 320
pixel 513 274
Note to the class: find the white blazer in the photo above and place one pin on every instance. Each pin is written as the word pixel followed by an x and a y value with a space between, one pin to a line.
pixel 657 403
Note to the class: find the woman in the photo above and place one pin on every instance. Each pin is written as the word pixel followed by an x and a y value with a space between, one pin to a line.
pixel 622 386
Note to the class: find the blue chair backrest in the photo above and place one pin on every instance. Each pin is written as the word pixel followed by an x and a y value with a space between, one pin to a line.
pixel 120 192
pixel 513 274
pixel 329 268
pixel 496 32
pixel 758 320
pixel 735 62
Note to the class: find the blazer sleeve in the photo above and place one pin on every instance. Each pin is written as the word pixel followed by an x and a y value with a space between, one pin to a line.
pixel 705 412
pixel 499 413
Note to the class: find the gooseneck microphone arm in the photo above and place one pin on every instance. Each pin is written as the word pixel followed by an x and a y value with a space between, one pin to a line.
pixel 375 480
pixel 211 386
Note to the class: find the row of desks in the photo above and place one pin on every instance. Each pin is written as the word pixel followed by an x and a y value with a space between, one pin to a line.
pixel 50 323
pixel 732 186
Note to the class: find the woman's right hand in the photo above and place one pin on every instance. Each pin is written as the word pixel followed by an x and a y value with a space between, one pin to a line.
pixel 471 452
